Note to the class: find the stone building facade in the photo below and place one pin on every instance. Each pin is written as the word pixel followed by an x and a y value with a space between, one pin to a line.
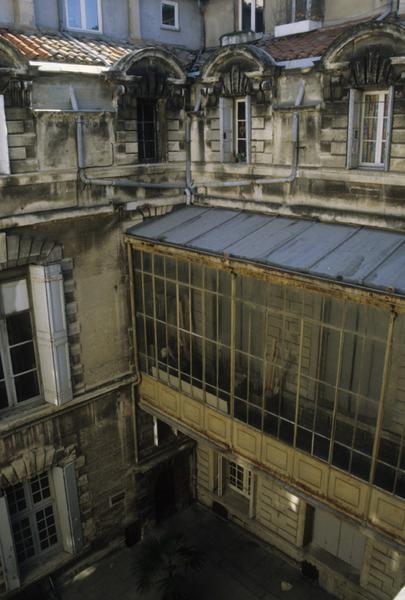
pixel 202 279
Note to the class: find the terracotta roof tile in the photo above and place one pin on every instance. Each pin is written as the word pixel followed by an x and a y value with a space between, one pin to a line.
pixel 304 45
pixel 59 47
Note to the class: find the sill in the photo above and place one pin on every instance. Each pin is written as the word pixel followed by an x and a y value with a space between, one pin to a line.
pixel 42 568
pixel 239 37
pixel 170 27
pixel 297 27
pixel 323 558
pixel 80 30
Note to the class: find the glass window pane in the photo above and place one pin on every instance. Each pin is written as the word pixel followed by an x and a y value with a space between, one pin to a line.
pixel 168 15
pixel 246 15
pixel 19 327
pixel 26 386
pixel 74 17
pixel 22 358
pixel 14 296
pixel 91 8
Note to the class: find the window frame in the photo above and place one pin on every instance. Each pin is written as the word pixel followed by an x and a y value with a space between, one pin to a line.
pixel 252 16
pixel 176 26
pixel 294 11
pixel 30 513
pixel 355 129
pixel 83 20
pixel 4 151
pixel 231 105
pixel 246 478
pixel 5 354
pixel 379 141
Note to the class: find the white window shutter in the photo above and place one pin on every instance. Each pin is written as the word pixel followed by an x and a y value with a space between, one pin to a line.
pixel 248 101
pixel 353 132
pixel 4 156
pixel 7 550
pixel 226 128
pixel 67 499
pixel 390 114
pixel 51 334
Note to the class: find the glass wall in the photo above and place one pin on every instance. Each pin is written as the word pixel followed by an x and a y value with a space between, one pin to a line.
pixel 302 367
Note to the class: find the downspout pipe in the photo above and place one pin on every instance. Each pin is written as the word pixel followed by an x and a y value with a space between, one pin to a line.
pixel 189 115
pixel 294 161
pixel 390 9
pixel 126 183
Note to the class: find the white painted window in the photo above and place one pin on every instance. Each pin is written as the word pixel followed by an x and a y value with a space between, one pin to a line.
pixel 169 15
pixel 251 15
pixel 39 517
pixel 338 538
pixel 369 129
pixel 235 129
pixel 33 339
pixel 374 121
pixel 33 516
pixel 4 156
pixel 240 478
pixel 18 361
pixel 84 15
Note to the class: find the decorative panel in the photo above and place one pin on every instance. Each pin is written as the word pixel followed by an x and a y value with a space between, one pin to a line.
pixel 276 456
pixel 246 441
pixel 192 413
pixel 149 391
pixel 388 513
pixel 347 492
pixel 169 401
pixel 310 473
pixel 217 425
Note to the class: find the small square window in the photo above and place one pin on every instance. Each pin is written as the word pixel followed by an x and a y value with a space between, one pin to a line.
pixel 83 15
pixel 170 15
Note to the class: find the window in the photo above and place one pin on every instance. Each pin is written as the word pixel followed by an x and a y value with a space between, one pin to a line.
pixel 162 432
pixel 235 129
pixel 239 478
pixel 38 517
pixel 170 15
pixel 83 14
pixel 18 363
pixel 4 155
pixel 32 511
pixel 374 119
pixel 251 16
pixel 300 16
pixel 299 10
pixel 147 131
pixel 370 122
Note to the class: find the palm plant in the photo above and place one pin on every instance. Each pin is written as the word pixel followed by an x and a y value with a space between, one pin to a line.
pixel 164 564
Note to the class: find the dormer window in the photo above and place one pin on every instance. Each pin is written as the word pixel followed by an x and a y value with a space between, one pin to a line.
pixel 251 17
pixel 300 16
pixel 83 15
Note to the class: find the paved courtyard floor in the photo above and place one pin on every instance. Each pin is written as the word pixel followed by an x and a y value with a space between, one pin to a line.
pixel 237 567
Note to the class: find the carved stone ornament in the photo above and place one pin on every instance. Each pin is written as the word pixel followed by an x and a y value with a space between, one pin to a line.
pixel 19 93
pixel 236 83
pixel 371 69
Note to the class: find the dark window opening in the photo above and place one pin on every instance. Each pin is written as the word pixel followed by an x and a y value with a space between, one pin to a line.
pixel 147 131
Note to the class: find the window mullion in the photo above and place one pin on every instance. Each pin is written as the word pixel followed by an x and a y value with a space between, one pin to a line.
pixel 83 14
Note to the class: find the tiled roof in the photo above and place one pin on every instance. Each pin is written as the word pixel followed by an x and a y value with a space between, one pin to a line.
pixel 303 45
pixel 59 47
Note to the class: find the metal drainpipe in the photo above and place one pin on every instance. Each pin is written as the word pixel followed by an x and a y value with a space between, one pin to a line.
pixel 189 183
pixel 294 163
pixel 387 11
pixel 129 183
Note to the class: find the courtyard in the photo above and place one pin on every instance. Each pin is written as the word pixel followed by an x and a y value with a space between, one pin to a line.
pixel 236 567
